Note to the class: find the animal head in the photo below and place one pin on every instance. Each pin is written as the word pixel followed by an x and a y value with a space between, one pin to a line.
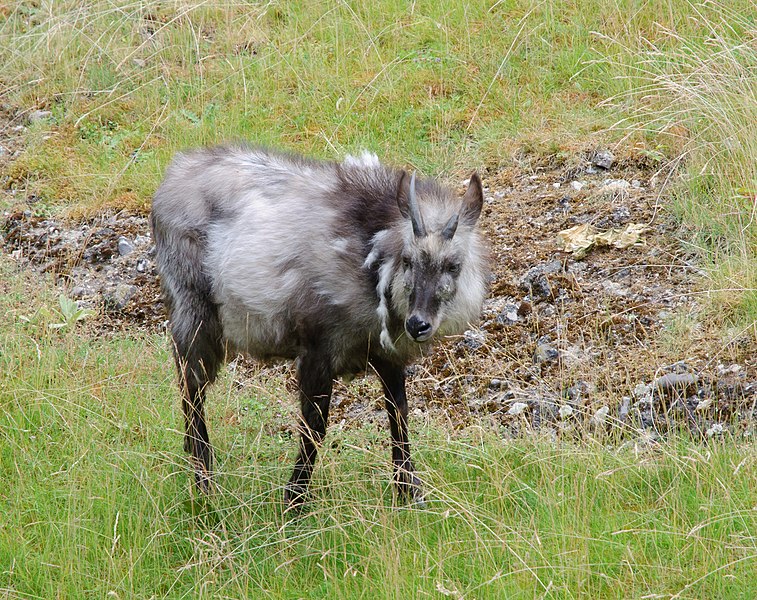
pixel 440 282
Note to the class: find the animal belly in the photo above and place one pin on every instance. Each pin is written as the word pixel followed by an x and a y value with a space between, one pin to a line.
pixel 261 336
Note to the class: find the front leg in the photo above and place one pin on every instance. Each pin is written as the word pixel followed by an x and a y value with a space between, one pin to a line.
pixel 315 381
pixel 393 382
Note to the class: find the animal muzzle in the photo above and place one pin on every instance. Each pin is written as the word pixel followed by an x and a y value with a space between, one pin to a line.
pixel 419 329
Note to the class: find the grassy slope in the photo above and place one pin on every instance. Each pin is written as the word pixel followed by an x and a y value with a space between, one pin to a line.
pixel 443 86
pixel 94 499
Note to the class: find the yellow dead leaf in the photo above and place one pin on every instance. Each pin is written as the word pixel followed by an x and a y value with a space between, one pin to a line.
pixel 579 239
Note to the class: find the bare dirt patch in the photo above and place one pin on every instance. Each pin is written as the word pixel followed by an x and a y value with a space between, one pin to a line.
pixel 566 346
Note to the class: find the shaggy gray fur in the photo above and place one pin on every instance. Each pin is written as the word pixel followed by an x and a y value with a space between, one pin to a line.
pixel 346 267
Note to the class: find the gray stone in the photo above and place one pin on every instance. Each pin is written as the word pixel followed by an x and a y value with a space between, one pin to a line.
pixel 509 315
pixel 39 115
pixel 473 339
pixel 545 353
pixel 536 280
pixel 604 159
pixel 125 246
pixel 671 382
pixel 119 296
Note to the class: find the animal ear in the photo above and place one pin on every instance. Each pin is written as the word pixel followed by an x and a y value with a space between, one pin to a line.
pixel 473 201
pixel 408 203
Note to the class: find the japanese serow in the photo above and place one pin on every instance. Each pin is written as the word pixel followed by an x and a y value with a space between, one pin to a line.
pixel 346 267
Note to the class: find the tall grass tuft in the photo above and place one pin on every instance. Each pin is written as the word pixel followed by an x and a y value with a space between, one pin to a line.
pixel 699 95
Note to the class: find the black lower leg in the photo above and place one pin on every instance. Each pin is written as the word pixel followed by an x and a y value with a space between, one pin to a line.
pixel 393 381
pixel 315 380
pixel 196 440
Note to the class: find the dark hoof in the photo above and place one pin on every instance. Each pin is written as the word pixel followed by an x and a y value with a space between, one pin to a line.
pixel 295 496
pixel 410 491
pixel 203 482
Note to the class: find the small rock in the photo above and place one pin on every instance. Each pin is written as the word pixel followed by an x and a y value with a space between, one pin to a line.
pixel 676 367
pixel 124 246
pixel 682 382
pixel 704 404
pixel 577 185
pixel 601 415
pixel 603 159
pixel 578 391
pixel 495 384
pixel 545 353
pixel 473 339
pixel 625 407
pixel 716 429
pixel 614 185
pixel 536 282
pixel 142 264
pixel 118 297
pixel 730 370
pixel 635 184
pixel 39 115
pixel 621 215
pixel 565 411
pixel 517 408
pixel 509 315
pixel 641 390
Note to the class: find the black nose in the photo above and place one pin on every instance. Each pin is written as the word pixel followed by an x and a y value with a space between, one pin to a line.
pixel 417 327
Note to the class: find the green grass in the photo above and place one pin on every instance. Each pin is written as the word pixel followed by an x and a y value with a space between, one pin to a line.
pixel 444 86
pixel 95 496
pixel 700 93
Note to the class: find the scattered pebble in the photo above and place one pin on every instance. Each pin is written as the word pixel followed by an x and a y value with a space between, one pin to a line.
pixel 704 404
pixel 614 185
pixel 125 246
pixel 681 382
pixel 517 408
pixel 604 159
pixel 601 415
pixel 118 297
pixel 39 115
pixel 536 280
pixel 715 429
pixel 545 353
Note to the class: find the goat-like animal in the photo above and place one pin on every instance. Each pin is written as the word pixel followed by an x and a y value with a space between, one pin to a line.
pixel 345 267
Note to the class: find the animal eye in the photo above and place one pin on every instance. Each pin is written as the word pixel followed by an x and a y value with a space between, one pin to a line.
pixel 452 268
pixel 406 264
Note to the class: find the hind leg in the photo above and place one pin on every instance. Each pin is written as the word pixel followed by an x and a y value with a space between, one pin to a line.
pixel 198 358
